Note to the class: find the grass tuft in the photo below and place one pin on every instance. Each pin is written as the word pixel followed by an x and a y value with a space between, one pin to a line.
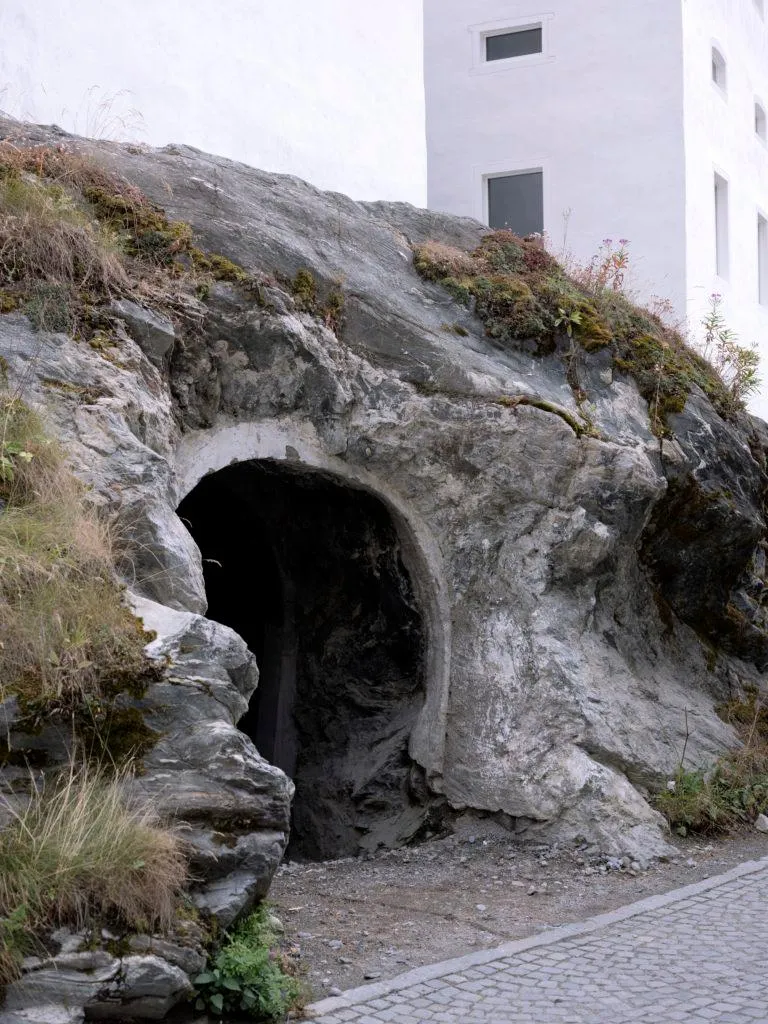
pixel 46 237
pixel 77 853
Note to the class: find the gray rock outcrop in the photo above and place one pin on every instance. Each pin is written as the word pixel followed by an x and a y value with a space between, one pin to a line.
pixel 568 600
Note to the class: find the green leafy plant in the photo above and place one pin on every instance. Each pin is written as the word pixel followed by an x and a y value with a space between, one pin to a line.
pixel 568 320
pixel 247 976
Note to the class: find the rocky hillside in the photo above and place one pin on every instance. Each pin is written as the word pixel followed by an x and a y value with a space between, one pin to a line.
pixel 496 542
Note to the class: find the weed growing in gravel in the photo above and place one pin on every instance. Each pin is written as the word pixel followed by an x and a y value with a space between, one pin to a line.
pixel 735 790
pixel 247 975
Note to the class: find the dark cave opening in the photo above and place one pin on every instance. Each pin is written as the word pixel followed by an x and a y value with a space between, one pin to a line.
pixel 309 572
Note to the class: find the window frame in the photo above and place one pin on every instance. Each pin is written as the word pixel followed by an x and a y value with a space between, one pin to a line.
pixel 719 69
pixel 512 173
pixel 518 30
pixel 722 225
pixel 762 258
pixel 480 65
pixel 761 119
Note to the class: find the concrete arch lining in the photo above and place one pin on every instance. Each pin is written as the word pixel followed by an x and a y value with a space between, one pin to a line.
pixel 206 451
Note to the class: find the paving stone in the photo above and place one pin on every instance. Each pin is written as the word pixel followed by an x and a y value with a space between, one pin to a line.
pixel 696 959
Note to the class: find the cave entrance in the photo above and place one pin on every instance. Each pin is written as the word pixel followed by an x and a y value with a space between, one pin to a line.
pixel 309 571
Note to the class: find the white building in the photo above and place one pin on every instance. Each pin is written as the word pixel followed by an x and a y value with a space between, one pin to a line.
pixel 593 119
pixel 325 89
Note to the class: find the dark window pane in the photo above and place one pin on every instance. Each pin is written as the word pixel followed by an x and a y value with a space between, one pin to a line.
pixel 516 202
pixel 513 44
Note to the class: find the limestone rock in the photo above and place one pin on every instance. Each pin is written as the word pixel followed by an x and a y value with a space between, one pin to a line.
pixel 203 769
pixel 70 984
pixel 153 333
pixel 51 1013
pixel 582 601
pixel 147 989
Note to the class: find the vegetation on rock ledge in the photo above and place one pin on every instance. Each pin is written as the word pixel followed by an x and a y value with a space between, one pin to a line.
pixel 73 235
pixel 248 975
pixel 524 296
pixel 65 632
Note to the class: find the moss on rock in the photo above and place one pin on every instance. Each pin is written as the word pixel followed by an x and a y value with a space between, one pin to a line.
pixel 523 295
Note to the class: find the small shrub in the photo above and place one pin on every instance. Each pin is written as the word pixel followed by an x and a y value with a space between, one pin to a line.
pixel 304 288
pixel 77 853
pixel 737 365
pixel 52 307
pixel 247 975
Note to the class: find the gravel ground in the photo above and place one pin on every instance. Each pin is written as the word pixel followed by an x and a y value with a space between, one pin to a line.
pixel 349 921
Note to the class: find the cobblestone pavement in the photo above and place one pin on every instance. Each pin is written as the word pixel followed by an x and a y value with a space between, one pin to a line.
pixel 696 956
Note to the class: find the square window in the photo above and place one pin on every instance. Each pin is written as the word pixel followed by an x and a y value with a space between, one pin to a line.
pixel 521 42
pixel 516 202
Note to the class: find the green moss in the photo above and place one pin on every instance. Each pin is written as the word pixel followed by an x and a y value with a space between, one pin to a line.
pixel 592 331
pixel 10 301
pixel 114 735
pixel 333 310
pixel 304 290
pixel 219 267
pixel 146 231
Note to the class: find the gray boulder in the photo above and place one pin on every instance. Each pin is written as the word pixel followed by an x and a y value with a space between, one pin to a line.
pixel 574 604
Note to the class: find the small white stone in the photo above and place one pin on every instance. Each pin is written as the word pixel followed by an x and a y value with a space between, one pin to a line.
pixel 761 823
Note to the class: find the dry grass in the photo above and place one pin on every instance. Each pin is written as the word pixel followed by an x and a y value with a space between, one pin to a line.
pixel 44 236
pixel 64 630
pixel 77 853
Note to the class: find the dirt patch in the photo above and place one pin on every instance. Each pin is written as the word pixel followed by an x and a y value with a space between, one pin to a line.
pixel 354 920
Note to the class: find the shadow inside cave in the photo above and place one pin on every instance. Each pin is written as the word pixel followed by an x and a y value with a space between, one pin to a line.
pixel 308 570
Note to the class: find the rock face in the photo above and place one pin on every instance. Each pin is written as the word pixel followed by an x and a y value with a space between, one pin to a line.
pixel 69 986
pixel 553 611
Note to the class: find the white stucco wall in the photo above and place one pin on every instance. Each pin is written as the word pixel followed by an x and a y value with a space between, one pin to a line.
pixel 720 136
pixel 601 114
pixel 331 91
